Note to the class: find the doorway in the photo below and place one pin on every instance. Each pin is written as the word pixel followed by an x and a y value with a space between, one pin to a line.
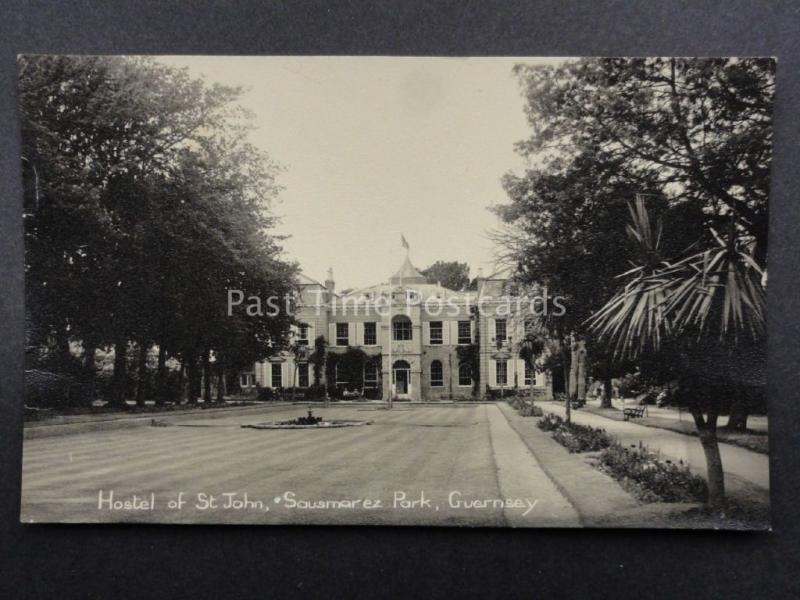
pixel 401 378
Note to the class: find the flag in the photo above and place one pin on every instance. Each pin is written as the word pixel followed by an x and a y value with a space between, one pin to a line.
pixel 403 241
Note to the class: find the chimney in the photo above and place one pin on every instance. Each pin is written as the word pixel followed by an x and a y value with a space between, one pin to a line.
pixel 330 284
pixel 480 279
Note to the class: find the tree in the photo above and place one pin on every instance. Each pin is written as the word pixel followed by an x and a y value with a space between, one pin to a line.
pixel 708 309
pixel 531 348
pixel 453 275
pixel 150 204
pixel 692 139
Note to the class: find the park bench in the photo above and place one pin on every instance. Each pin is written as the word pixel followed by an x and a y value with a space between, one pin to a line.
pixel 633 413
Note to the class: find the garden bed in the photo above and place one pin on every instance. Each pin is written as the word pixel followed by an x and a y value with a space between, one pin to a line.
pixel 308 421
pixel 651 478
pixel 575 438
pixel 525 407
pixel 639 471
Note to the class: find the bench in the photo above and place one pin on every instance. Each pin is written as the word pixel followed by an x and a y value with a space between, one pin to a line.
pixel 633 413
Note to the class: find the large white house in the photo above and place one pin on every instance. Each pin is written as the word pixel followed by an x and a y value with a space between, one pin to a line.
pixel 414 329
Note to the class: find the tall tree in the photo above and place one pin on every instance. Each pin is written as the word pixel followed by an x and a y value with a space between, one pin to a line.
pixel 149 205
pixel 451 274
pixel 692 138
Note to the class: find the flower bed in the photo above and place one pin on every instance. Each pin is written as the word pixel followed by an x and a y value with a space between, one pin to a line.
pixel 525 407
pixel 651 478
pixel 576 438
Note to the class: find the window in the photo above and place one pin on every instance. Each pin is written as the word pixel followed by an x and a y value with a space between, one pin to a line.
pixel 501 372
pixel 500 330
pixel 338 382
pixel 246 380
pixel 401 329
pixel 437 375
pixel 464 375
pixel 436 332
pixel 370 376
pixel 276 379
pixel 464 333
pixel 342 338
pixel 302 335
pixel 302 375
pixel 528 374
pixel 370 334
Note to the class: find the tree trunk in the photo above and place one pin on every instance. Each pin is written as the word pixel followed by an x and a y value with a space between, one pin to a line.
pixel 740 409
pixel 193 376
pixel 64 354
pixel 207 376
pixel 608 391
pixel 707 430
pixel 533 384
pixel 120 374
pixel 220 381
pixel 181 381
pixel 90 376
pixel 141 375
pixel 565 358
pixel 161 376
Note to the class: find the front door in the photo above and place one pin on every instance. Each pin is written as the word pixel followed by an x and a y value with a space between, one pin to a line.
pixel 401 377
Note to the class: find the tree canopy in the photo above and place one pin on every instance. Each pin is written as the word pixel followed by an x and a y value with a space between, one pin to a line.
pixel 144 203
pixel 451 274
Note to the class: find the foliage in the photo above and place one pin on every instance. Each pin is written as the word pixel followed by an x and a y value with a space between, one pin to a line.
pixel 317 358
pixel 574 437
pixel 697 130
pixel 530 410
pixel 348 367
pixel 550 422
pixel 452 275
pixel 666 299
pixel 145 202
pixel 470 355
pixel 662 480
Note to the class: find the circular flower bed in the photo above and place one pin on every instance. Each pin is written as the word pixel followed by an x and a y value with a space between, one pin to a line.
pixel 307 422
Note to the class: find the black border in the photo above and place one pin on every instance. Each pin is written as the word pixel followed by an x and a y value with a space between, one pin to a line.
pixel 266 562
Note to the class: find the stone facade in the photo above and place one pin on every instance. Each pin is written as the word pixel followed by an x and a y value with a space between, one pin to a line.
pixel 417 328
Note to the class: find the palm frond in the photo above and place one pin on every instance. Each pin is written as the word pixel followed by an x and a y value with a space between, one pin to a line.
pixel 724 283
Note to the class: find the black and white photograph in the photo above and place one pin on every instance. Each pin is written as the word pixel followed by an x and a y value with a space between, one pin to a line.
pixel 486 291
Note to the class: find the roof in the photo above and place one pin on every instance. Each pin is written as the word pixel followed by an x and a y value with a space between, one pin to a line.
pixel 306 280
pixel 408 273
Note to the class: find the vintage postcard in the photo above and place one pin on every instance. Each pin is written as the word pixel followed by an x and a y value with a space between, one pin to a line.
pixel 487 292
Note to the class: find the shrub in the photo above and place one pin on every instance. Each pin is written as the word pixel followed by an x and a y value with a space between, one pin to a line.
pixel 530 410
pixel 579 438
pixel 44 389
pixel 550 422
pixel 503 393
pixel 664 479
pixel 576 438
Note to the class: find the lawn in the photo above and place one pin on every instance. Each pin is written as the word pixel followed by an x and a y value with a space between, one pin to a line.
pixel 370 474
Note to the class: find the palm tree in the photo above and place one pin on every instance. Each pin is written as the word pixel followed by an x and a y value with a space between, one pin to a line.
pixel 709 304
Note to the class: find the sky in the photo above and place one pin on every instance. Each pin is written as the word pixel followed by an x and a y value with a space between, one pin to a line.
pixel 376 147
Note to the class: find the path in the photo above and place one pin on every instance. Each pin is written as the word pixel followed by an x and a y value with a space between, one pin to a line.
pixel 747 465
pixel 754 422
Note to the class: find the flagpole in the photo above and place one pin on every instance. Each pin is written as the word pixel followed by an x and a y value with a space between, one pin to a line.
pixel 391 370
